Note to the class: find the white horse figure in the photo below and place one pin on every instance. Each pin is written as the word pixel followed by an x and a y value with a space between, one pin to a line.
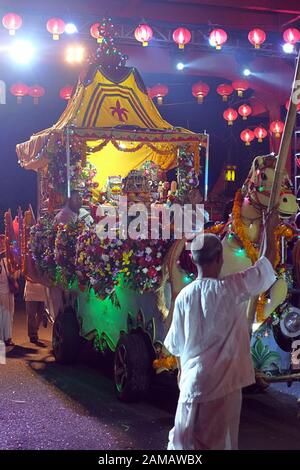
pixel 256 193
pixel 255 198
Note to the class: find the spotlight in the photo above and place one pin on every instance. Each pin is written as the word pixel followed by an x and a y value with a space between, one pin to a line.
pixel 180 66
pixel 247 72
pixel 288 48
pixel 71 28
pixel 22 51
pixel 75 54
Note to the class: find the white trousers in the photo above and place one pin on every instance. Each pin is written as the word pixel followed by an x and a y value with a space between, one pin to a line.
pixel 212 425
pixel 7 308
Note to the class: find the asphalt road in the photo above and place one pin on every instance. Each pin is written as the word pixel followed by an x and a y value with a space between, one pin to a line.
pixel 48 406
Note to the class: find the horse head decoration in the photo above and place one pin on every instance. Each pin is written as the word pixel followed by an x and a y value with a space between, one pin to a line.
pixel 256 192
pixel 244 229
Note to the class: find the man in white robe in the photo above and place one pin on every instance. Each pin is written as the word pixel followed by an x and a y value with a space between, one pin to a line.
pixel 209 335
pixel 7 301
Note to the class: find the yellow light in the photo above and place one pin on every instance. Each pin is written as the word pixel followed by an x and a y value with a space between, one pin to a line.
pixel 75 54
pixel 230 173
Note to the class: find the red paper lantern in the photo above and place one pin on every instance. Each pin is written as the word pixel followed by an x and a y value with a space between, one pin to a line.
pixel 230 115
pixel 240 86
pixel 160 91
pixel 56 27
pixel 150 92
pixel 19 90
pixel 287 104
pixel 143 34
pixel 200 90
pixel 181 36
pixel 95 33
pixel 247 136
pixel 225 90
pixel 260 133
pixel 217 38
pixel 12 22
pixel 245 111
pixel 257 37
pixel 276 127
pixel 66 92
pixel 36 91
pixel 291 35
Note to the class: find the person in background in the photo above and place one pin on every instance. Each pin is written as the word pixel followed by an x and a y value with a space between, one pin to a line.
pixel 209 336
pixel 7 301
pixel 73 210
pixel 35 298
pixel 195 198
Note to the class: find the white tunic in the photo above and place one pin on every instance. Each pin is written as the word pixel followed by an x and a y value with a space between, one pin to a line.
pixel 209 333
pixel 7 306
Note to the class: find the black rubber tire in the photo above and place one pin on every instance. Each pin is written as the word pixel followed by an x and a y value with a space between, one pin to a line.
pixel 65 337
pixel 283 342
pixel 132 367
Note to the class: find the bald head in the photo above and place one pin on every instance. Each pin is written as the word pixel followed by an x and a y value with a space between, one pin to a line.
pixel 210 251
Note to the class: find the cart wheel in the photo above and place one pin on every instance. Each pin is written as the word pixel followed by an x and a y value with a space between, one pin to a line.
pixel 65 337
pixel 132 367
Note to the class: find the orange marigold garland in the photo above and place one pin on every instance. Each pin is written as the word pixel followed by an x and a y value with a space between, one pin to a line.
pixel 251 251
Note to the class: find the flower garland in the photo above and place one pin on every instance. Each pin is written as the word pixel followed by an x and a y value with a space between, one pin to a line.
pixel 42 244
pixel 81 173
pixel 65 251
pixel 98 262
pixel 186 174
pixel 251 251
pixel 168 362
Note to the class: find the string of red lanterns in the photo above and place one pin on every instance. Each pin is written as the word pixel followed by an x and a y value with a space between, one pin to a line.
pixel 144 33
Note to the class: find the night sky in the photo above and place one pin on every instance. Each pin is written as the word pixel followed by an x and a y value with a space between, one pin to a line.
pixel 19 122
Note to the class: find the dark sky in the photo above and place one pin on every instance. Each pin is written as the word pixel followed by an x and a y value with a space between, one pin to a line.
pixel 19 122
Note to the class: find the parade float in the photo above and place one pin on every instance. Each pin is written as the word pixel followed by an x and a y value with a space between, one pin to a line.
pixel 119 293
pixel 110 141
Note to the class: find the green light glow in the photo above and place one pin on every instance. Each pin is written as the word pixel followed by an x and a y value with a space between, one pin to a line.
pixel 240 252
pixel 260 189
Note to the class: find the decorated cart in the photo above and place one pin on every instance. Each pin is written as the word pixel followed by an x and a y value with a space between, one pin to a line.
pixel 119 293
pixel 110 141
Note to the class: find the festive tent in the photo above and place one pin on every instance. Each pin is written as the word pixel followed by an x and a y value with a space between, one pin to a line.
pixel 112 118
